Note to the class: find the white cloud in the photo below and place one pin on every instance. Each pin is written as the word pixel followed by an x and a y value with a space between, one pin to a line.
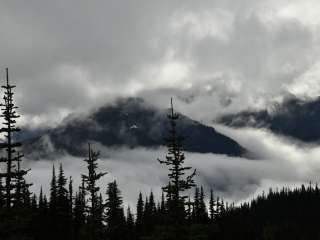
pixel 280 162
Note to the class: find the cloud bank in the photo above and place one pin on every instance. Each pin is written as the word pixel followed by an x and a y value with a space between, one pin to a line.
pixel 280 162
pixel 215 56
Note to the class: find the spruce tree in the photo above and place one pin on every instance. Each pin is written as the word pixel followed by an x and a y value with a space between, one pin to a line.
pixel 79 213
pixel 15 190
pixel 130 234
pixel 178 180
pixel 70 196
pixel 53 203
pixel 203 215
pixel 140 214
pixel 212 205
pixel 53 190
pixel 90 180
pixel 62 206
pixel 149 214
pixel 2 198
pixel 196 207
pixel 13 177
pixel 21 194
pixel 114 212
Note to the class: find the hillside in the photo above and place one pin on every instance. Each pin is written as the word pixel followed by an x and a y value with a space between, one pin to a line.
pixel 128 123
pixel 294 118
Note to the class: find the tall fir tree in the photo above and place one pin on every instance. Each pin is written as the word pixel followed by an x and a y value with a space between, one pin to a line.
pixel 140 215
pixel 53 203
pixel 212 206
pixel 70 195
pixel 203 214
pixel 15 189
pixel 62 206
pixel 2 198
pixel 114 215
pixel 178 180
pixel 13 177
pixel 79 213
pixel 130 233
pixel 196 205
pixel 90 179
pixel 53 190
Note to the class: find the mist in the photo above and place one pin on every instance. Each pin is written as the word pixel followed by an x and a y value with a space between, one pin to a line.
pixel 278 161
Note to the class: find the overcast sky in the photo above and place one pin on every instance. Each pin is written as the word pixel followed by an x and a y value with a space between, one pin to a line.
pixel 214 56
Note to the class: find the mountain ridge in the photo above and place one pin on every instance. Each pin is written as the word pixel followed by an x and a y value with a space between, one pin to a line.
pixel 295 118
pixel 132 123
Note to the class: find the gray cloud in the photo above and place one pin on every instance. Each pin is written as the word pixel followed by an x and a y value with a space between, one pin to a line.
pixel 221 55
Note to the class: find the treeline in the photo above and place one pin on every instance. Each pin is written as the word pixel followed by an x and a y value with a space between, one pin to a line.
pixel 76 214
pixel 281 214
pixel 88 212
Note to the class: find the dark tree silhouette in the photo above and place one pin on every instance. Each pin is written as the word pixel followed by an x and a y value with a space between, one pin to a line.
pixel 62 207
pixel 178 182
pixel 13 175
pixel 140 214
pixel 212 205
pixel 79 215
pixel 90 187
pixel 114 212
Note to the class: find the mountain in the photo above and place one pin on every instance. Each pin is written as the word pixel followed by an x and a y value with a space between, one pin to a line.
pixel 130 123
pixel 294 118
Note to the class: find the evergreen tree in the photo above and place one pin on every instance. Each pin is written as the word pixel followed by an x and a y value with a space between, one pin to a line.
pixel 130 234
pixel 40 219
pixel 10 115
pixel 70 196
pixel 53 215
pixel 178 182
pixel 79 213
pixel 203 215
pixel 140 214
pixel 94 209
pixel 212 206
pixel 196 206
pixel 62 207
pixel 14 183
pixel 22 194
pixel 2 198
pixel 53 191
pixel 114 212
pixel 149 214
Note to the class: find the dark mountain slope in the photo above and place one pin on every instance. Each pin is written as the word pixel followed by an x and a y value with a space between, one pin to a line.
pixel 294 118
pixel 131 123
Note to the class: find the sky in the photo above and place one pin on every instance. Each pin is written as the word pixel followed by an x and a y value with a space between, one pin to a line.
pixel 213 56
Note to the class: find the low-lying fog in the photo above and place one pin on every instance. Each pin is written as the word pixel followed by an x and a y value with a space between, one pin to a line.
pixel 279 162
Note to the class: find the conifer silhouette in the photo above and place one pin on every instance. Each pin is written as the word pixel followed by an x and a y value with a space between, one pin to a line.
pixel 90 186
pixel 114 212
pixel 13 175
pixel 178 182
